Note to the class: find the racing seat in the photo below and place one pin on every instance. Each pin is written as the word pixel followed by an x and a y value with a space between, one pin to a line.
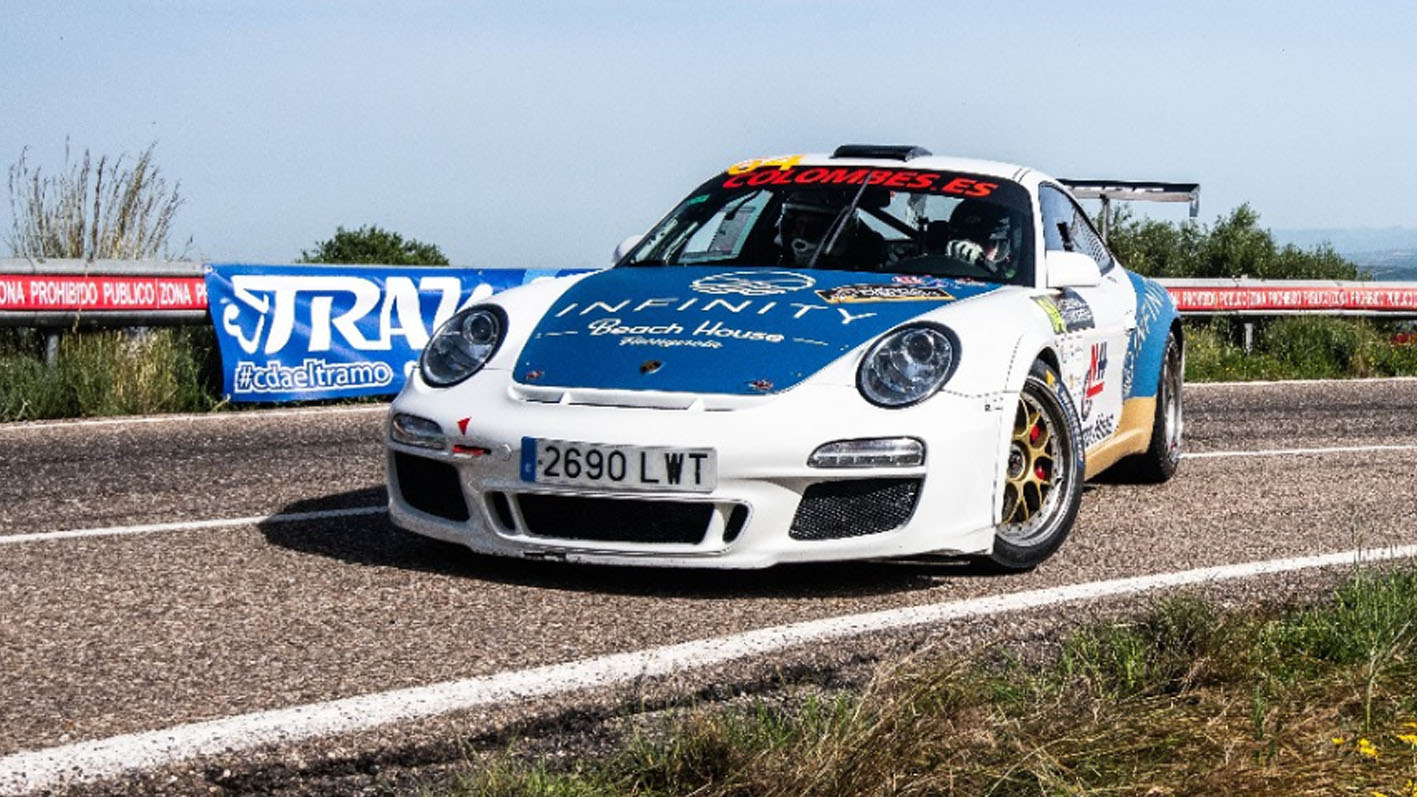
pixel 937 237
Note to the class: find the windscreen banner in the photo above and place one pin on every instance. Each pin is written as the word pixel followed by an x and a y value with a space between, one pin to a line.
pixel 308 332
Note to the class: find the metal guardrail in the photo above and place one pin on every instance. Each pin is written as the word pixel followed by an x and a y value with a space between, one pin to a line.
pixel 1251 297
pixel 52 293
pixel 118 293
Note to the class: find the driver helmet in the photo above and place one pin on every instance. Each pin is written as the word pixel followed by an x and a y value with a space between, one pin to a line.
pixel 806 218
pixel 987 224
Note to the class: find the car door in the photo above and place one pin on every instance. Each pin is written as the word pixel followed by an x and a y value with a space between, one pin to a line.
pixel 1098 319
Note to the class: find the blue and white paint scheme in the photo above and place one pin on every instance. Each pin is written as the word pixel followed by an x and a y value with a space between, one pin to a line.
pixel 716 330
pixel 773 399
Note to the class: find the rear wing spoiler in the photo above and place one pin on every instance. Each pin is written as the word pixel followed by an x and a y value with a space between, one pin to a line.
pixel 1134 191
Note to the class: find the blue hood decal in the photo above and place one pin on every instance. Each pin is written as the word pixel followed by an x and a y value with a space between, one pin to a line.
pixel 719 329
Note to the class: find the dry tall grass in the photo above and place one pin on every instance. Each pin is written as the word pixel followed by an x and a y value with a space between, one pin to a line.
pixel 105 209
pixel 1186 699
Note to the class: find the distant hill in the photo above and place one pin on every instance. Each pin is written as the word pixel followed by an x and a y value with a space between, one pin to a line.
pixel 1394 264
pixel 1388 254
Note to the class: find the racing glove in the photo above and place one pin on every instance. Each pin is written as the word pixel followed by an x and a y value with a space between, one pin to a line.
pixel 966 250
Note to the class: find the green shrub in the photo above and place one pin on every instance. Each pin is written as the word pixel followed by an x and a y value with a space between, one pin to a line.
pixel 1311 347
pixel 109 373
pixel 1234 246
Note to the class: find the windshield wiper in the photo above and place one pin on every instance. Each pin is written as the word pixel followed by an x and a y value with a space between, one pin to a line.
pixel 839 223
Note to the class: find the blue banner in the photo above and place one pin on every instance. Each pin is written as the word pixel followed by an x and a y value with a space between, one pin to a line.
pixel 305 332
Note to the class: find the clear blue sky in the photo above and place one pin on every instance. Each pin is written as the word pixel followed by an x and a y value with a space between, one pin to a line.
pixel 538 134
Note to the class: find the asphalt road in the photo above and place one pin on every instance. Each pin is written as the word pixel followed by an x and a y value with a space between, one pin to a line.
pixel 107 635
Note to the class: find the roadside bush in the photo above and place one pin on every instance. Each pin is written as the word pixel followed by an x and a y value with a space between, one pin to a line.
pixel 110 373
pixel 1234 246
pixel 1295 348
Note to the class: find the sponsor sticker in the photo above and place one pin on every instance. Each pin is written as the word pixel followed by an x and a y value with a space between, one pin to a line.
pixel 782 163
pixel 885 293
pixel 1076 312
pixel 1055 316
pixel 904 179
pixel 1098 431
pixel 753 283
pixel 1096 371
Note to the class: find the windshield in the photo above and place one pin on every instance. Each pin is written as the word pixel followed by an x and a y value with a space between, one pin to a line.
pixel 903 221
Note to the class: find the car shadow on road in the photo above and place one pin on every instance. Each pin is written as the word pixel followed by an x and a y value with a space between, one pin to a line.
pixel 371 539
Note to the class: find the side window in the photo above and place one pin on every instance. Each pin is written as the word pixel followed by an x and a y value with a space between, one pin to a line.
pixel 1057 210
pixel 1065 227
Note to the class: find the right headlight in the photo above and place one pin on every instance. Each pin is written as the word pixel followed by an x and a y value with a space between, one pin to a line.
pixel 908 365
pixel 463 345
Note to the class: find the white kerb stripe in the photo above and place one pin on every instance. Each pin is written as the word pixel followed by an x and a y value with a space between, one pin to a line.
pixel 217 523
pixel 1296 452
pixel 190 525
pixel 1367 380
pixel 192 417
pixel 87 761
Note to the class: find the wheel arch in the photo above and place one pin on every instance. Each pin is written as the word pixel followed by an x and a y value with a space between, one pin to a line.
pixel 1029 350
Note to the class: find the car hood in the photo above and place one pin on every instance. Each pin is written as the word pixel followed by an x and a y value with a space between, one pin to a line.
pixel 719 330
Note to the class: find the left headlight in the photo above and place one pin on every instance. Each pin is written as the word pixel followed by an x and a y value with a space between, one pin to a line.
pixel 463 345
pixel 908 365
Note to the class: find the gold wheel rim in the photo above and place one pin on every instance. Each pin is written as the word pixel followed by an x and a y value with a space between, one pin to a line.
pixel 1032 469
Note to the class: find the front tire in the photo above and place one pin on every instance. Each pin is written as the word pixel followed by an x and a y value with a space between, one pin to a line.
pixel 1042 487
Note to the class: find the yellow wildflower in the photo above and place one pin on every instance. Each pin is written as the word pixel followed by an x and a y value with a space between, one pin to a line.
pixel 1410 738
pixel 1366 748
pixel 1337 740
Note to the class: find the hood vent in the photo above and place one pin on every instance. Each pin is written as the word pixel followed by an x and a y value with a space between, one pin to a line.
pixel 637 399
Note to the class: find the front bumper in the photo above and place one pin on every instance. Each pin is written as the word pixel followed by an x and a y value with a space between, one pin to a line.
pixel 768 506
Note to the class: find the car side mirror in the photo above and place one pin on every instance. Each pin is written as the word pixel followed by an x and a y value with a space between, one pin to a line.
pixel 1071 270
pixel 624 247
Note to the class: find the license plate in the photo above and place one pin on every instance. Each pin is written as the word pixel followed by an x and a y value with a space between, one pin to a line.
pixel 619 467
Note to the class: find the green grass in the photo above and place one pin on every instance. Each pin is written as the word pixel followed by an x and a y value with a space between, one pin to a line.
pixel 177 370
pixel 1295 348
pixel 108 373
pixel 1186 699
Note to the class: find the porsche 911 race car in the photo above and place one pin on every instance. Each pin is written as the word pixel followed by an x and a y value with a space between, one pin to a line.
pixel 872 353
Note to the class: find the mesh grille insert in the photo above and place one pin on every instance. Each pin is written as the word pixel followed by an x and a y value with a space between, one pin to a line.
pixel 501 511
pixel 571 517
pixel 854 508
pixel 430 486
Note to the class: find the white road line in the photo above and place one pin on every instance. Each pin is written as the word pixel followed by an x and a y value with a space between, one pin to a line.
pixel 217 523
pixel 190 525
pixel 1368 380
pixel 136 420
pixel 1295 452
pixel 87 761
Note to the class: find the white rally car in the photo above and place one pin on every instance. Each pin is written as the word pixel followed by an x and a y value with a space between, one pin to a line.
pixel 872 353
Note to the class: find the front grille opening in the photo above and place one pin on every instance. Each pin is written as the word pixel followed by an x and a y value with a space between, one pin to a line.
pixel 501 511
pixel 853 508
pixel 571 517
pixel 737 519
pixel 430 486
